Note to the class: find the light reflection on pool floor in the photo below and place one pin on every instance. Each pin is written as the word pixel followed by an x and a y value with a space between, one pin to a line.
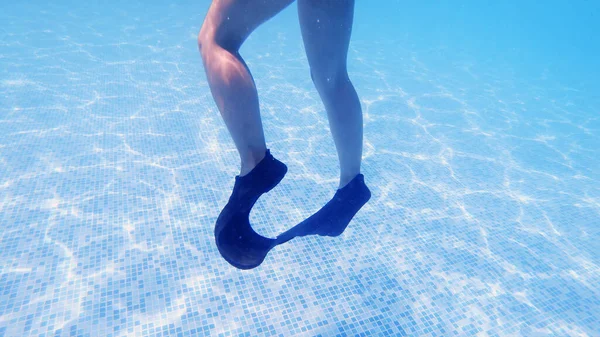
pixel 114 164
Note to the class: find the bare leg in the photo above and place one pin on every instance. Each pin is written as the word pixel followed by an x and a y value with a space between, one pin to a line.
pixel 227 24
pixel 326 28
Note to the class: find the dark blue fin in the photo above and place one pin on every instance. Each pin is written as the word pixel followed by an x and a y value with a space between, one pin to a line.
pixel 237 242
pixel 333 218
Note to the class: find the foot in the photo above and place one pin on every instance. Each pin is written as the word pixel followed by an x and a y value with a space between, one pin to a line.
pixel 333 218
pixel 237 242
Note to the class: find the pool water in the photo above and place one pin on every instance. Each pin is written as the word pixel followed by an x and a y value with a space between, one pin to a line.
pixel 481 150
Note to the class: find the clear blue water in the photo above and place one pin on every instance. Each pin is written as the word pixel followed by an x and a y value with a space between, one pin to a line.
pixel 481 150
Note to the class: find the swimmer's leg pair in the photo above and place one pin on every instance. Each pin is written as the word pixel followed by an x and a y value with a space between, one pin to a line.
pixel 237 242
pixel 243 248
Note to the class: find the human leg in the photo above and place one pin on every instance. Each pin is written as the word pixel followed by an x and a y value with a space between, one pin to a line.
pixel 227 25
pixel 326 28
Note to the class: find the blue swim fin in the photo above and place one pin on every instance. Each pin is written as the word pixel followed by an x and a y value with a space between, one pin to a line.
pixel 333 218
pixel 237 242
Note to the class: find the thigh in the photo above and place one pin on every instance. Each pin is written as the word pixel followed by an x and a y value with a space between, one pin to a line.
pixel 326 27
pixel 229 22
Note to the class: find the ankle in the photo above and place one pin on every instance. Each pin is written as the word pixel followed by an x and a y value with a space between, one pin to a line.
pixel 345 179
pixel 250 162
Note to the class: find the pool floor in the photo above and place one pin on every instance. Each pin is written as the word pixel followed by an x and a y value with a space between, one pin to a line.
pixel 114 164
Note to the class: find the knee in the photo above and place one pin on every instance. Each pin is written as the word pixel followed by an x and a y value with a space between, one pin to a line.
pixel 204 42
pixel 329 79
pixel 210 39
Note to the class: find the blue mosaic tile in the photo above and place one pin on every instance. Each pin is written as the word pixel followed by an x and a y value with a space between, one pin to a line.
pixel 115 162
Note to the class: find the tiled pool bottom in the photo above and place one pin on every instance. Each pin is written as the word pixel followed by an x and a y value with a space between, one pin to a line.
pixel 114 164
